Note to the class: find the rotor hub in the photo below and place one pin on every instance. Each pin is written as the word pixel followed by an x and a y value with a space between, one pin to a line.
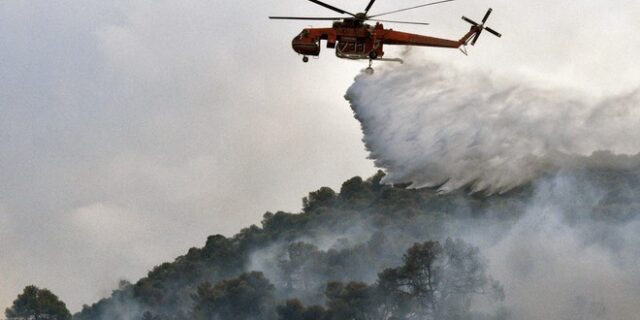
pixel 362 16
pixel 481 27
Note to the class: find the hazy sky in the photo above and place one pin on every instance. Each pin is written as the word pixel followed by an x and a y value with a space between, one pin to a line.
pixel 131 130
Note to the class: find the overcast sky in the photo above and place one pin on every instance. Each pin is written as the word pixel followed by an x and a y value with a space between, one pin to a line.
pixel 131 130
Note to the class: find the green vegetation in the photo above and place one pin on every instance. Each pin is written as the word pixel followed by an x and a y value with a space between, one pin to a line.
pixel 249 296
pixel 369 251
pixel 370 226
pixel 435 282
pixel 35 303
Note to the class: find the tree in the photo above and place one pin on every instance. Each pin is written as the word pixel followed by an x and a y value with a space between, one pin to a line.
pixel 149 316
pixel 297 265
pixel 355 193
pixel 249 296
pixel 295 310
pixel 325 196
pixel 314 313
pixel 291 310
pixel 355 301
pixel 437 282
pixel 35 303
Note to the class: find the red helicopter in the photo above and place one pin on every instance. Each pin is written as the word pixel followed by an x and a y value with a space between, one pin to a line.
pixel 353 39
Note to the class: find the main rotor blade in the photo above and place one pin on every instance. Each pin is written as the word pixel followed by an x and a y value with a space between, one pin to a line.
pixel 496 33
pixel 470 21
pixel 403 22
pixel 305 18
pixel 330 7
pixel 405 9
pixel 369 6
pixel 486 16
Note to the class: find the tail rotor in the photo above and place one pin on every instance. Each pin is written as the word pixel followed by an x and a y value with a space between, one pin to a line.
pixel 481 27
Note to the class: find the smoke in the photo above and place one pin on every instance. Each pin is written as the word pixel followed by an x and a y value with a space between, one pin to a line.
pixel 563 246
pixel 569 250
pixel 563 259
pixel 435 125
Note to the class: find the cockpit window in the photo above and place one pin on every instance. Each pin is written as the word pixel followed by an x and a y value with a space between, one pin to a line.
pixel 303 34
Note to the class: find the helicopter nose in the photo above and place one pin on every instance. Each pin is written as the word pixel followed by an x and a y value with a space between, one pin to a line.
pixel 305 46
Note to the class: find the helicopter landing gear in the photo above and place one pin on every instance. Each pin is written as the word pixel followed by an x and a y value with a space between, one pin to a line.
pixel 305 59
pixel 369 70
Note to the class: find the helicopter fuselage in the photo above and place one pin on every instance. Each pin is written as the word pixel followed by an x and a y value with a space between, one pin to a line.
pixel 353 39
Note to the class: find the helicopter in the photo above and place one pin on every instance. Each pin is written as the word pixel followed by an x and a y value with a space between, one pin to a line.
pixel 352 38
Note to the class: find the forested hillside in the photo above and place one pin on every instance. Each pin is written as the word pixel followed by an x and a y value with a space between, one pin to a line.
pixel 369 251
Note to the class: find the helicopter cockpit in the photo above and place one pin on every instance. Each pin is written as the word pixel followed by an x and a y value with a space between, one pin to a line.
pixel 305 44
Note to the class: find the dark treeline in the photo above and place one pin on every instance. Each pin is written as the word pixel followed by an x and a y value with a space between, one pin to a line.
pixel 369 251
pixel 365 243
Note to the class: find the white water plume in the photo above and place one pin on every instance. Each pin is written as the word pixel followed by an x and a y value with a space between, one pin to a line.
pixel 435 125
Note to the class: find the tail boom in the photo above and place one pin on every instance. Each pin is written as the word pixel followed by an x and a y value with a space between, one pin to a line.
pixel 410 39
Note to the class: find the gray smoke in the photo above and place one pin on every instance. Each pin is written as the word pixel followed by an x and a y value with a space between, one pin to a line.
pixel 563 246
pixel 568 252
pixel 567 249
pixel 435 125
pixel 571 255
